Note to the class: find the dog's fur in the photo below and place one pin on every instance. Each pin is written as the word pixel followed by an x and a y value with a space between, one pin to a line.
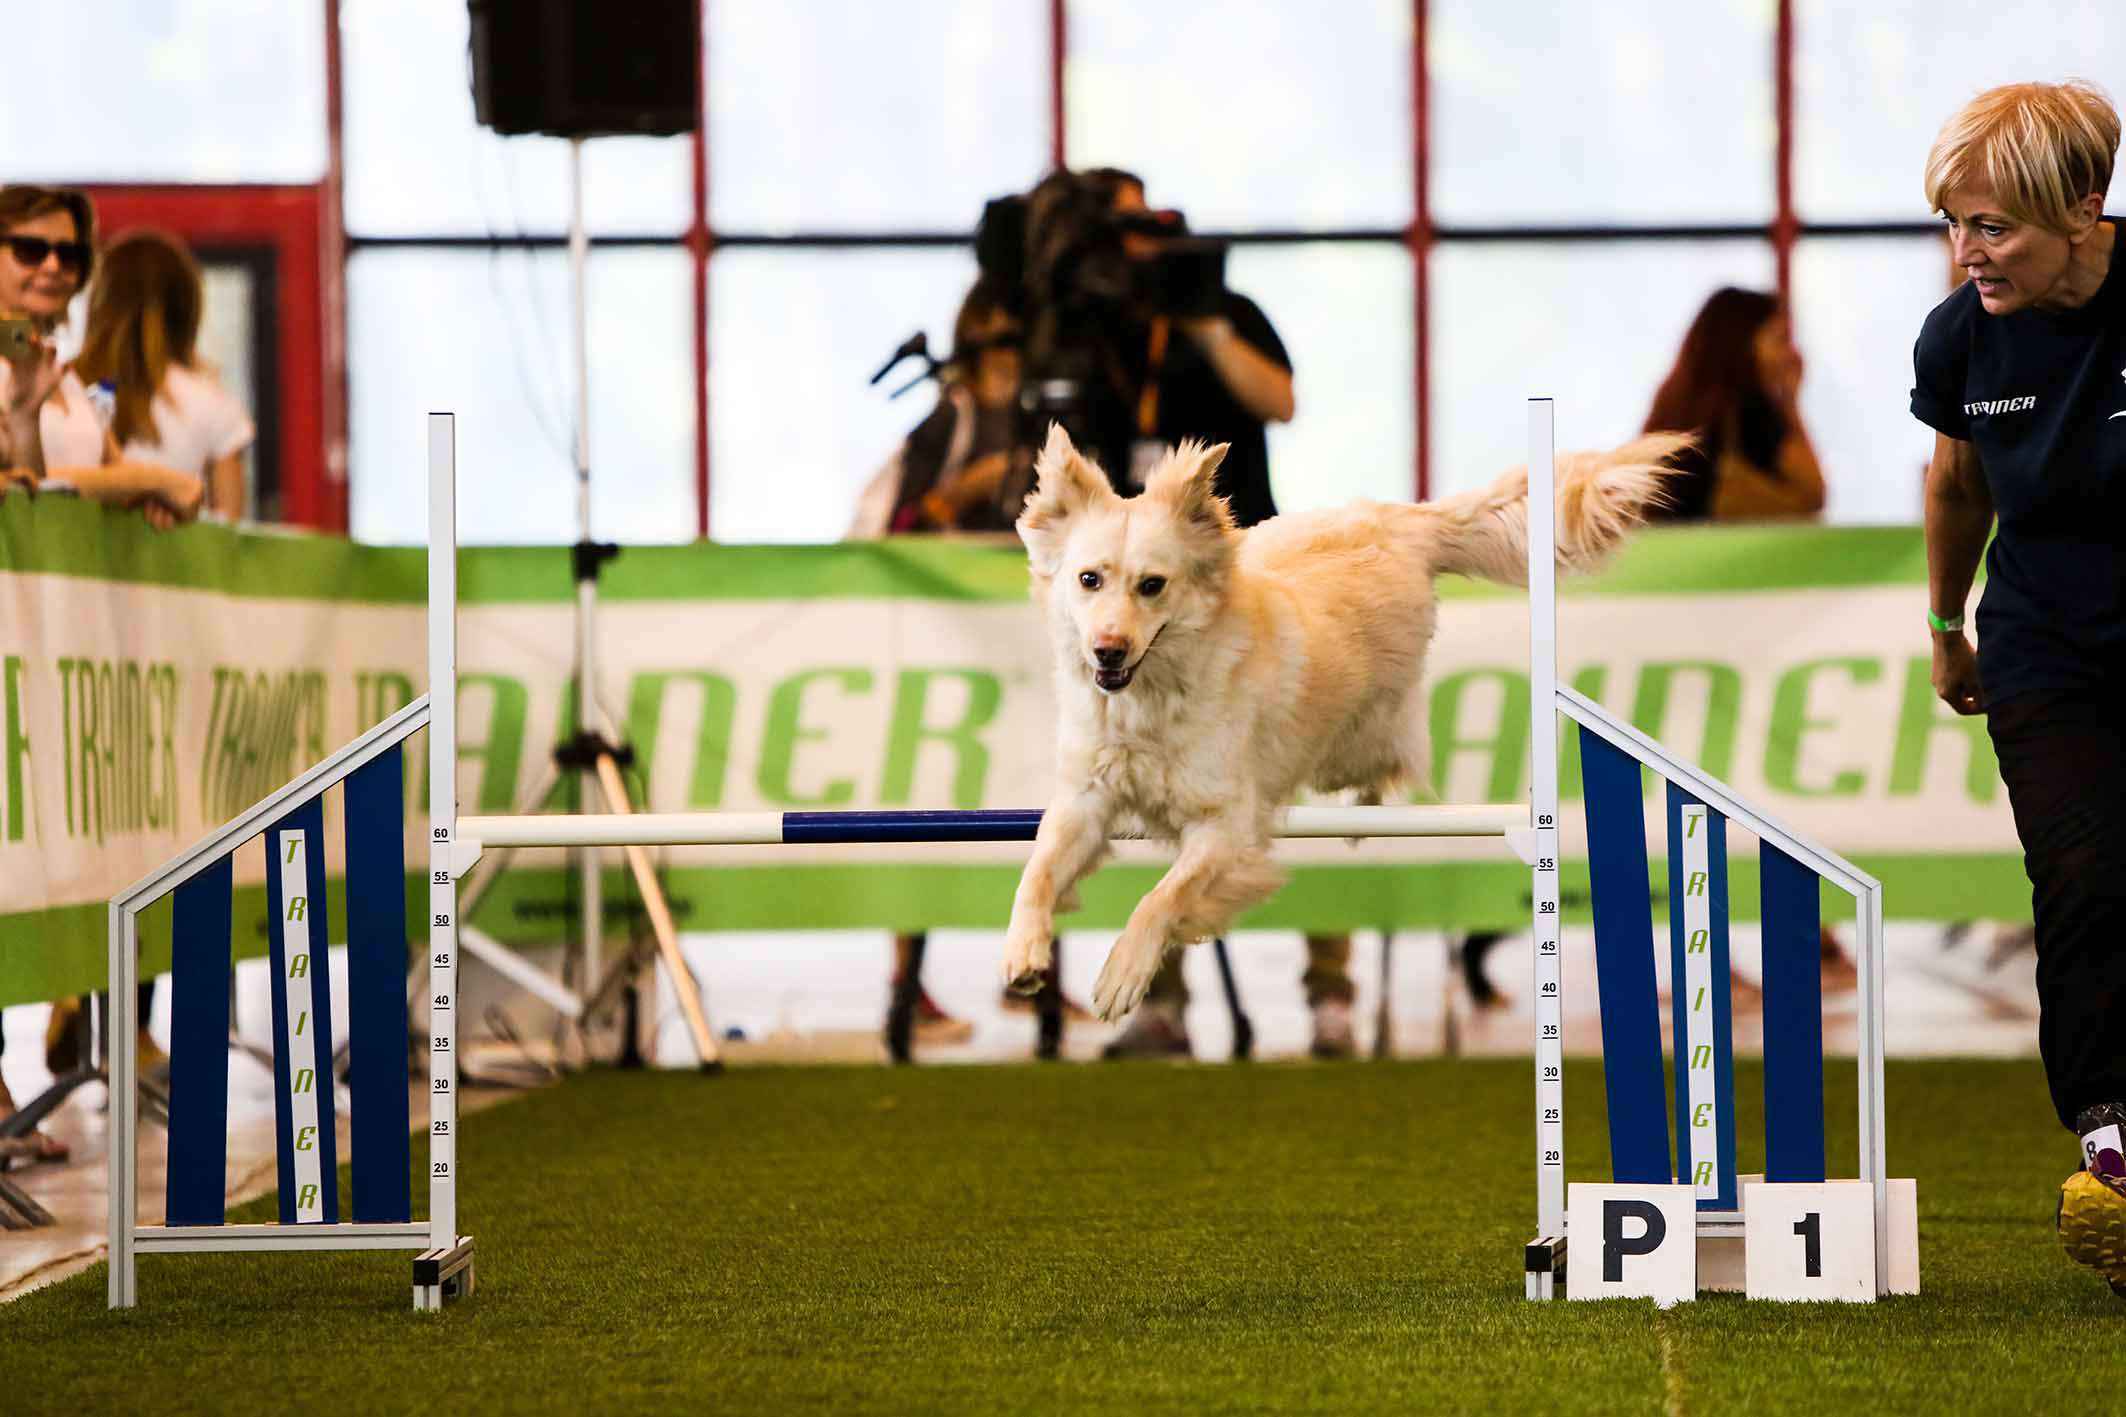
pixel 1242 666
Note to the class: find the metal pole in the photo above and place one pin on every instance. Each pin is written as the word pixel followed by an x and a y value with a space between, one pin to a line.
pixel 1548 1004
pixel 1874 1161
pixel 119 1044
pixel 442 834
pixel 579 250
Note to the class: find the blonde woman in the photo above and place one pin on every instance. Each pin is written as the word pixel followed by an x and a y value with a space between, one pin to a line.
pixel 49 431
pixel 2022 375
pixel 169 409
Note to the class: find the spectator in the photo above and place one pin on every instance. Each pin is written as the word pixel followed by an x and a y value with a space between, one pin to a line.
pixel 1221 378
pixel 143 343
pixel 49 430
pixel 1737 384
pixel 963 468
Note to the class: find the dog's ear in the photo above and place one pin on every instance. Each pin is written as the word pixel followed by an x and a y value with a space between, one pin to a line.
pixel 1068 483
pixel 1185 481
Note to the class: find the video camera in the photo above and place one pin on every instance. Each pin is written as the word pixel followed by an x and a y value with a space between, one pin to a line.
pixel 1088 282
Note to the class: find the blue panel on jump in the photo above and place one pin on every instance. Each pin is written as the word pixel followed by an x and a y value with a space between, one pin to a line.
pixel 377 1064
pixel 1793 1018
pixel 1697 933
pixel 305 1142
pixel 1017 825
pixel 199 1047
pixel 1624 963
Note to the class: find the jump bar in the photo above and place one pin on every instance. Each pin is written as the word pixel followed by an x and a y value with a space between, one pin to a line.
pixel 781 828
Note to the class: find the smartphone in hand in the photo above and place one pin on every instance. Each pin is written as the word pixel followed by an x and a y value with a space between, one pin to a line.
pixel 18 338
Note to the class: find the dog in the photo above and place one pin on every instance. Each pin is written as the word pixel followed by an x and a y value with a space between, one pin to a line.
pixel 1204 675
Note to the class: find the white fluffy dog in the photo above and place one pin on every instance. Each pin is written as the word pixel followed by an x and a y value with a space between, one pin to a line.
pixel 1205 675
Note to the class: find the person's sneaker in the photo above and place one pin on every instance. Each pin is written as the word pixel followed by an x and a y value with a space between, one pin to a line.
pixel 2092 1209
pixel 934 1025
pixel 1156 1031
pixel 1332 1030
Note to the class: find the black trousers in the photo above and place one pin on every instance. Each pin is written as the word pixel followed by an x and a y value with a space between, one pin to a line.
pixel 2064 761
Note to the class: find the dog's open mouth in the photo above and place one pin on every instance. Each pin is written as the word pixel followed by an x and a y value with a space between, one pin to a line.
pixel 1114 681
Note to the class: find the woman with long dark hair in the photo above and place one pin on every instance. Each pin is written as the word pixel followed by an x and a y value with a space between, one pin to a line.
pixel 168 407
pixel 1737 384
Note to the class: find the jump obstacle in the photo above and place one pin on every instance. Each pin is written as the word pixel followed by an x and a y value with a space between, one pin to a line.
pixel 369 772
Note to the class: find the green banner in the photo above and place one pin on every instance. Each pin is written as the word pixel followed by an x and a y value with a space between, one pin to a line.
pixel 153 685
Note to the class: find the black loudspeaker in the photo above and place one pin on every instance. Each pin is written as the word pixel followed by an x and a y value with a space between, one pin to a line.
pixel 586 68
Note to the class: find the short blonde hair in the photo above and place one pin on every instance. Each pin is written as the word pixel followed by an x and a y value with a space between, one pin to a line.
pixel 2040 148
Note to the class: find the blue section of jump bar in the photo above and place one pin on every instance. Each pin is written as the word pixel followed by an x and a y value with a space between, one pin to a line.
pixel 1719 1068
pixel 844 827
pixel 1624 964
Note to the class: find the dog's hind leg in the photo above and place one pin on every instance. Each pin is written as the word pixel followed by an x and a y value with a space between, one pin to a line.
pixel 1071 841
pixel 1218 874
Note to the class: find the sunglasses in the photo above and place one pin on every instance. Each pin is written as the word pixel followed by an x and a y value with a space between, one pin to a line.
pixel 30 251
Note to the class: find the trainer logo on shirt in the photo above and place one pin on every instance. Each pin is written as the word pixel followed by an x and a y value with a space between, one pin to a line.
pixel 2017 405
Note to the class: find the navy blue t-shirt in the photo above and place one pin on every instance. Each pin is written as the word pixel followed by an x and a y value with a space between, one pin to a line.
pixel 2041 396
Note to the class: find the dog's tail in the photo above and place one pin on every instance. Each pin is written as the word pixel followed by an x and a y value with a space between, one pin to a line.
pixel 1601 497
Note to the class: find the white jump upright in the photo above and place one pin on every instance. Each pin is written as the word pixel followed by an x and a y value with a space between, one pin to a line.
pixel 1548 1000
pixel 1698 1090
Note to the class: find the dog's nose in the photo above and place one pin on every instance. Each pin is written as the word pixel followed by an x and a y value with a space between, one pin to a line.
pixel 1108 658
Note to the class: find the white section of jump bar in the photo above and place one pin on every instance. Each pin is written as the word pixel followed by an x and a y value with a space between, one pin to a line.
pixel 766 828
pixel 195 1239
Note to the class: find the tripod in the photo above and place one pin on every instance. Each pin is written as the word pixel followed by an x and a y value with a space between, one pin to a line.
pixel 596 758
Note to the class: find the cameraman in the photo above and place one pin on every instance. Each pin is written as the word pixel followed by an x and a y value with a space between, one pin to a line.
pixel 1222 380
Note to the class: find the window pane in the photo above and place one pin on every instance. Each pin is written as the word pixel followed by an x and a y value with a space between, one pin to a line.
pixel 850 115
pixel 1594 325
pixel 1248 113
pixel 1635 112
pixel 1344 311
pixel 1858 306
pixel 1875 82
pixel 486 336
pixel 795 431
pixel 164 91
pixel 418 165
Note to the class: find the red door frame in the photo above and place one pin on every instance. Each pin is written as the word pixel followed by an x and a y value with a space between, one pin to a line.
pixel 289 222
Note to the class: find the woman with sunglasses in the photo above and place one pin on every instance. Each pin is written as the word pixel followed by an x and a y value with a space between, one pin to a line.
pixel 49 430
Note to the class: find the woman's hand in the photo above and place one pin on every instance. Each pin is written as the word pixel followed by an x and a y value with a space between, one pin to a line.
pixel 1956 674
pixel 36 374
pixel 179 499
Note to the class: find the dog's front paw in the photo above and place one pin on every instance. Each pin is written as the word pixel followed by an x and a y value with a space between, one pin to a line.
pixel 1125 977
pixel 1027 953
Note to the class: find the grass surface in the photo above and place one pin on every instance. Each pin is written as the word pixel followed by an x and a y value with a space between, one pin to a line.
pixel 1124 1239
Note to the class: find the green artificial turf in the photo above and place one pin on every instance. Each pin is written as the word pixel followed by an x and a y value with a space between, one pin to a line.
pixel 1275 1238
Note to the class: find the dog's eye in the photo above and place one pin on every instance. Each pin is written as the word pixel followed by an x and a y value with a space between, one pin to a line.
pixel 1151 586
pixel 1089 579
